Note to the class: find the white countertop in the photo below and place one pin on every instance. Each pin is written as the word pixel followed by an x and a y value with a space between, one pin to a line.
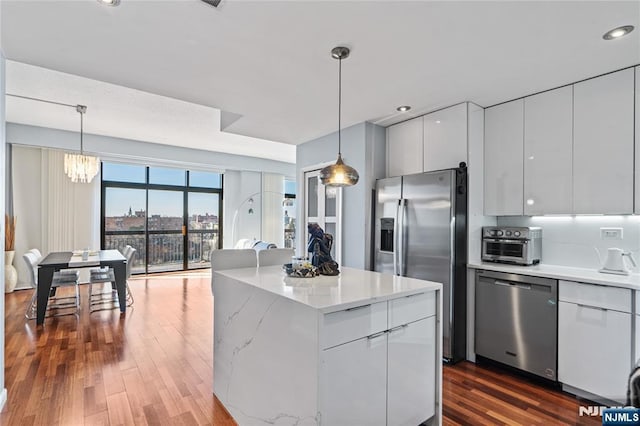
pixel 584 275
pixel 353 287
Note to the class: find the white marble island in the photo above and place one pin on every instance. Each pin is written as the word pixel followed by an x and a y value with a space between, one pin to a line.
pixel 361 348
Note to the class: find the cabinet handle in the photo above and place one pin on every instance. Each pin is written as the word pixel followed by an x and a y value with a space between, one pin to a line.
pixel 357 307
pixel 373 336
pixel 400 327
pixel 592 307
pixel 414 295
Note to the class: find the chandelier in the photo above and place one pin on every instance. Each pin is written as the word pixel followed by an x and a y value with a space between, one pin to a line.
pixel 79 167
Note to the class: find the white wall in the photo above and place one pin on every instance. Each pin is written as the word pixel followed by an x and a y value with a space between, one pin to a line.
pixel 3 395
pixel 238 187
pixel 27 206
pixel 569 240
pixel 363 148
pixel 272 210
pixel 123 149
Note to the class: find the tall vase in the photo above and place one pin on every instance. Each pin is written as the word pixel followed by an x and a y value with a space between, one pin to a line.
pixel 10 273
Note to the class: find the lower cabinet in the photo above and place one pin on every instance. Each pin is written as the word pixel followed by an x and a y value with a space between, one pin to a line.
pixel 362 362
pixel 395 373
pixel 594 339
pixel 411 373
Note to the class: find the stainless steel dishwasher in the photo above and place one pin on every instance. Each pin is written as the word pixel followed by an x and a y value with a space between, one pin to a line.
pixel 517 321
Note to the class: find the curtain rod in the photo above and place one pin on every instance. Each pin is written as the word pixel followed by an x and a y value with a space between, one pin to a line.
pixel 84 108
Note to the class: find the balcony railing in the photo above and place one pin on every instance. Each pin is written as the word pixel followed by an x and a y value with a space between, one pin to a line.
pixel 166 251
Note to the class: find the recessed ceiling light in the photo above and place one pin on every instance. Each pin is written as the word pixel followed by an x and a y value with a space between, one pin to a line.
pixel 437 121
pixel 618 32
pixel 403 108
pixel 110 2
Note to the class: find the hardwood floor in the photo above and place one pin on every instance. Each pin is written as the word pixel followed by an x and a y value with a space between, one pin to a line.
pixel 154 366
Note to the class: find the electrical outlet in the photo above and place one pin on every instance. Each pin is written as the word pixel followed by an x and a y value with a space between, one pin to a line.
pixel 611 233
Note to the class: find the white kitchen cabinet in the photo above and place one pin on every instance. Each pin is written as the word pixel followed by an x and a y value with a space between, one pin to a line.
pixel 637 142
pixel 411 365
pixel 405 148
pixel 603 151
pixel 445 138
pixel 363 362
pixel 503 159
pixel 594 340
pixel 548 152
pixel 394 369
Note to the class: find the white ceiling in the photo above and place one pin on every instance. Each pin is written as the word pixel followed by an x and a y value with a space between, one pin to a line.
pixel 269 61
pixel 121 112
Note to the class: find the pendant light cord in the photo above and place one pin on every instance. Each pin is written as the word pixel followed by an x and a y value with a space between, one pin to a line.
pixel 81 110
pixel 339 105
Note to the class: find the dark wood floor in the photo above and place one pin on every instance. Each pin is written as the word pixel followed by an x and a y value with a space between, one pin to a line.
pixel 154 366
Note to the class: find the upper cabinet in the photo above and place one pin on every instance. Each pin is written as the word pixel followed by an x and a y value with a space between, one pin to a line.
pixel 434 141
pixel 548 150
pixel 565 151
pixel 503 152
pixel 445 138
pixel 603 144
pixel 405 147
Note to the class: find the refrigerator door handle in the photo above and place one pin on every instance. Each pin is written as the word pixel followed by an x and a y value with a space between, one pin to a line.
pixel 396 238
pixel 403 230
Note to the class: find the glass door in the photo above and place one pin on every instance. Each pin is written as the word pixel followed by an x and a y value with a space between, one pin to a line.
pixel 323 205
pixel 202 228
pixel 165 235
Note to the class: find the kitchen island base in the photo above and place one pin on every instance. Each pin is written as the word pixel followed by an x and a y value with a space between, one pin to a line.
pixel 359 349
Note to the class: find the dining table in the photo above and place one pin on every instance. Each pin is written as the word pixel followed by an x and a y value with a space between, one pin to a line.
pixel 56 261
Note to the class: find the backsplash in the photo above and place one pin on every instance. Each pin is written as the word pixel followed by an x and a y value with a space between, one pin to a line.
pixel 570 240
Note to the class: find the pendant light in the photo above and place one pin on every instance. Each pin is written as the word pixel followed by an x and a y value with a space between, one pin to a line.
pixel 79 167
pixel 339 174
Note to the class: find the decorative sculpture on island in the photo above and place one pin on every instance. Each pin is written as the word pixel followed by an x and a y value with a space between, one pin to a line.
pixel 320 244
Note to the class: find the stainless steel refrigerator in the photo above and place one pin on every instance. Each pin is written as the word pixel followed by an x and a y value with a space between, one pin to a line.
pixel 421 232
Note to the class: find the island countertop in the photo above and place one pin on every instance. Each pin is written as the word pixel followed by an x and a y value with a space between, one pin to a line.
pixel 351 288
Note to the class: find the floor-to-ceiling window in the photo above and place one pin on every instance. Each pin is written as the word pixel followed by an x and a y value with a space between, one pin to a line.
pixel 171 216
pixel 289 207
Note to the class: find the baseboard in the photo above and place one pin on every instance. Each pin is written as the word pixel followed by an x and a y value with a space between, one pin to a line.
pixel 3 399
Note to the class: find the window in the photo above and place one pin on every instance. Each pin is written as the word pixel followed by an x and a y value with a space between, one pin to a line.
pixel 289 207
pixel 171 216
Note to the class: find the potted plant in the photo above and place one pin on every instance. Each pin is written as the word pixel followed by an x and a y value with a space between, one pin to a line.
pixel 10 273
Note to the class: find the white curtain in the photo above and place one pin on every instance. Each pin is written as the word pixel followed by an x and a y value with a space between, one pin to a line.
pixel 70 213
pixel 272 211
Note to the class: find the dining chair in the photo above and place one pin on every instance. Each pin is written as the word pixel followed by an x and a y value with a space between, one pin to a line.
pixel 275 256
pixel 233 258
pixel 60 272
pixel 59 280
pixel 105 300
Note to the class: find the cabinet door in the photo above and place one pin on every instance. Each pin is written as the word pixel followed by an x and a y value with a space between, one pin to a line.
pixel 404 148
pixel 412 373
pixel 594 349
pixel 548 152
pixel 603 144
pixel 353 383
pixel 637 165
pixel 445 138
pixel 503 151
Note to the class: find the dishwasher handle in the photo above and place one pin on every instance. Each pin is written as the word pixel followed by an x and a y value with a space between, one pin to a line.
pixel 516 285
